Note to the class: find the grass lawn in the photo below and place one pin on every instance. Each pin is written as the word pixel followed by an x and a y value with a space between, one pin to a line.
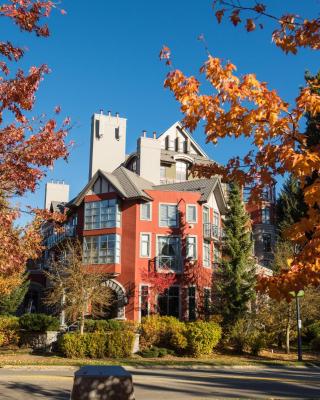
pixel 267 358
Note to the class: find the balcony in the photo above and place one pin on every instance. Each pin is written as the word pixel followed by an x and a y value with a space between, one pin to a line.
pixel 66 231
pixel 168 263
pixel 211 231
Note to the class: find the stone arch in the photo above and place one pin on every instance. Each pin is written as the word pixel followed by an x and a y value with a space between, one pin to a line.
pixel 122 299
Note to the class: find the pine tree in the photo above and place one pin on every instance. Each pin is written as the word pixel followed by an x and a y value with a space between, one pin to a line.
pixel 235 280
pixel 10 303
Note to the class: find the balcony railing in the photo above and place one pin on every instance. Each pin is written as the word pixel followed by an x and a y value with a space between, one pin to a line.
pixel 57 237
pixel 211 231
pixel 168 263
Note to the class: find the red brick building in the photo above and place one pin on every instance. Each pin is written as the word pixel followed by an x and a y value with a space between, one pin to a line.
pixel 146 212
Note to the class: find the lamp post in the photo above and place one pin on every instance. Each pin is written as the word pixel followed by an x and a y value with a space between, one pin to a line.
pixel 297 296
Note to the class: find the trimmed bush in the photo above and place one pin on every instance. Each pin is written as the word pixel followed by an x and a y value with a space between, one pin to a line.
pixel 193 338
pixel 166 332
pixel 103 325
pixel 9 331
pixel 117 344
pixel 202 337
pixel 73 345
pixel 39 323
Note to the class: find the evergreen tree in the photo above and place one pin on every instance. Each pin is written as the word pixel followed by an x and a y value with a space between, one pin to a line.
pixel 9 304
pixel 235 280
pixel 290 205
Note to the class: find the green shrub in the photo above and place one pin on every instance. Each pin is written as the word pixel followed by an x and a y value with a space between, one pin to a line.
pixel 9 331
pixel 39 322
pixel 104 325
pixel 166 332
pixel 73 345
pixel 119 344
pixel 155 352
pixel 202 337
pixel 315 344
pixel 256 342
pixel 311 331
pixel 239 336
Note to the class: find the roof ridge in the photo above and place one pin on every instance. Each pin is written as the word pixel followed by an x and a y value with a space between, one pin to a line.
pixel 124 171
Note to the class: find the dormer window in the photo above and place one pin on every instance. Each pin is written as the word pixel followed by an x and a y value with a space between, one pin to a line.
pixel 181 171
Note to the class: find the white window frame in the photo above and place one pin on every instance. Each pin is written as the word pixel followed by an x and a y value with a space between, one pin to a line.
pixel 195 300
pixel 177 215
pixel 117 249
pixel 150 205
pixel 157 251
pixel 196 246
pixel 88 205
pixel 140 293
pixel 150 239
pixel 203 253
pixel 180 298
pixel 187 219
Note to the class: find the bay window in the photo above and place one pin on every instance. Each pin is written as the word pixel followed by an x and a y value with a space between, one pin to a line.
pixel 104 249
pixel 101 214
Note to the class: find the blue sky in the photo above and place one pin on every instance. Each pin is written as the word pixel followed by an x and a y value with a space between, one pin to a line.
pixel 104 55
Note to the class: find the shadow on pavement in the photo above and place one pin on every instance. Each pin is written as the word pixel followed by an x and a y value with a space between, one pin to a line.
pixel 28 388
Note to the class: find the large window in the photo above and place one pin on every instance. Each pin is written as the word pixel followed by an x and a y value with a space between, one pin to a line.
pixel 103 249
pixel 168 215
pixel 265 215
pixel 145 244
pixel 181 171
pixel 101 214
pixel 266 238
pixel 169 302
pixel 192 303
pixel 216 224
pixel 191 247
pixel 206 253
pixel 169 253
pixel 145 211
pixel 144 301
pixel 191 213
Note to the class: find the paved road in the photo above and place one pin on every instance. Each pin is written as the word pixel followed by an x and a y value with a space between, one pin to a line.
pixel 172 384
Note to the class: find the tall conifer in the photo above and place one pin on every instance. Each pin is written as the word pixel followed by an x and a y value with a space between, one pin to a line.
pixel 235 280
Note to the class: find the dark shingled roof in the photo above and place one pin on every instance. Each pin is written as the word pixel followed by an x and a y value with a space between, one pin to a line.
pixel 204 186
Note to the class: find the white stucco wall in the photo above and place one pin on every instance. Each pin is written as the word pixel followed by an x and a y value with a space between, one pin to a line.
pixel 149 150
pixel 107 151
pixel 55 191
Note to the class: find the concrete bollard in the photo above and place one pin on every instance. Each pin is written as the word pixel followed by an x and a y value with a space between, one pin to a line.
pixel 102 383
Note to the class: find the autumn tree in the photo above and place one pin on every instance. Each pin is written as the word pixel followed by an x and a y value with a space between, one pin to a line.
pixel 235 280
pixel 28 145
pixel 245 107
pixel 10 303
pixel 74 289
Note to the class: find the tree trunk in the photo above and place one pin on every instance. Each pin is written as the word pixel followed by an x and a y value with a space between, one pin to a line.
pixel 82 323
pixel 288 330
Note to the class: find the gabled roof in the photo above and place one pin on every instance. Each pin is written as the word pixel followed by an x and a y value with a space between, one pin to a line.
pixel 179 125
pixel 126 183
pixel 204 186
pixel 57 206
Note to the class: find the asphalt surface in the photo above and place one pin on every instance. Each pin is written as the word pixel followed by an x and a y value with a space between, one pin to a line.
pixel 29 383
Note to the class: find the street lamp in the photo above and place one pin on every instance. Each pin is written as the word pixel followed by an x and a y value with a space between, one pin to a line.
pixel 297 296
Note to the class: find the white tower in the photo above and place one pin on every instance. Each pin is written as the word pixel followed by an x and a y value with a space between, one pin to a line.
pixel 56 191
pixel 108 142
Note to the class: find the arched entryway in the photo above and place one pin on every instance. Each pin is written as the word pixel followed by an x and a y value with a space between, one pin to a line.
pixel 118 300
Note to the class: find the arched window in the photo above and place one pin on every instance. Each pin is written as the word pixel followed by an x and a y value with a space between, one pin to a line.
pixel 181 171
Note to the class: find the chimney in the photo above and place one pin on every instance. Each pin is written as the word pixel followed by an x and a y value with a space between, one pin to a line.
pixel 154 134
pixel 55 191
pixel 101 111
pixel 108 142
pixel 144 133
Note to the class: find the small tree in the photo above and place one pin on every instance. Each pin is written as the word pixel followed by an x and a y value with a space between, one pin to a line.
pixel 73 287
pixel 10 303
pixel 235 279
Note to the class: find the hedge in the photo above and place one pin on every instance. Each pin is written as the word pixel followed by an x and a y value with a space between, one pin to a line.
pixel 188 338
pixel 39 323
pixel 117 344
pixel 9 331
pixel 101 325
